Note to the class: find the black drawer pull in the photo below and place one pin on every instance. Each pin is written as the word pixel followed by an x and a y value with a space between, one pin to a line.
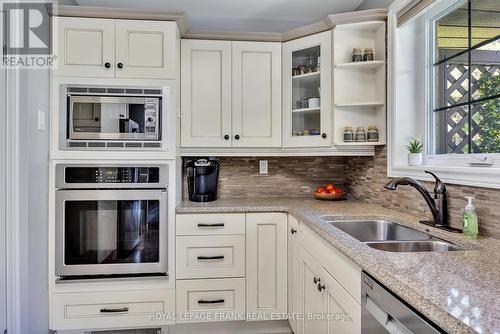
pixel 218 257
pixel 214 301
pixel 114 310
pixel 211 225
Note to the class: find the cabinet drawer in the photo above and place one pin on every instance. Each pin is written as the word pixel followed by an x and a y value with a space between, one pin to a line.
pixel 111 309
pixel 211 256
pixel 212 299
pixel 210 224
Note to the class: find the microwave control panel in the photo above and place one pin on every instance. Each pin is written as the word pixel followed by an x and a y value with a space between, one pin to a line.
pixel 151 109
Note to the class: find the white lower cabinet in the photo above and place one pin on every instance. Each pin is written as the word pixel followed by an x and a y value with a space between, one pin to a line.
pixel 266 263
pixel 293 272
pixel 211 299
pixel 326 306
pixel 112 309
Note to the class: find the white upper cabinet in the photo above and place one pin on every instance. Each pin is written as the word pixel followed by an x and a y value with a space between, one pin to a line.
pixel 205 93
pixel 85 47
pixel 146 49
pixel 105 48
pixel 230 94
pixel 256 94
pixel 307 90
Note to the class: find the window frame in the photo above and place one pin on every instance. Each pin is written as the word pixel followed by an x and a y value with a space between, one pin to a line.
pixel 430 128
pixel 453 168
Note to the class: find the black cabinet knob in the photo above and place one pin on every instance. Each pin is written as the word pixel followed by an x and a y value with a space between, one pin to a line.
pixel 293 231
pixel 321 287
pixel 120 65
pixel 107 65
pixel 323 135
pixel 316 280
pixel 237 137
pixel 226 137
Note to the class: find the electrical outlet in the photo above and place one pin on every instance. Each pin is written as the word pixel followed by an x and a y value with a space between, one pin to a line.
pixel 263 167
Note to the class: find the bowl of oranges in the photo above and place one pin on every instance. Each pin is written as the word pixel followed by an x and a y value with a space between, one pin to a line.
pixel 329 193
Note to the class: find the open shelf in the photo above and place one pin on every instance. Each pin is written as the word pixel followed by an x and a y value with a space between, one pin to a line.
pixel 360 104
pixel 361 65
pixel 306 76
pixel 364 143
pixel 305 110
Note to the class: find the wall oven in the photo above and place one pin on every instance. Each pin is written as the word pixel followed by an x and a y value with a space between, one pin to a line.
pixel 111 220
pixel 113 117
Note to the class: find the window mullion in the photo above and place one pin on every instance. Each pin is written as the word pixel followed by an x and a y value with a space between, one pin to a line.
pixel 469 74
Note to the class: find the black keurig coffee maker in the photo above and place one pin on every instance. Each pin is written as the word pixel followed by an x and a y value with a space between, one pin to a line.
pixel 202 176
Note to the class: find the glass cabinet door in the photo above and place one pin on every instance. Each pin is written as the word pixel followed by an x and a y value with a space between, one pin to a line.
pixel 307 91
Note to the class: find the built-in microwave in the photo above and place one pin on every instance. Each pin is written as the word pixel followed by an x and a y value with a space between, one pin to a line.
pixel 113 117
pixel 111 220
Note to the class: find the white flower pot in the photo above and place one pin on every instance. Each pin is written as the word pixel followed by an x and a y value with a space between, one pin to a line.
pixel 415 159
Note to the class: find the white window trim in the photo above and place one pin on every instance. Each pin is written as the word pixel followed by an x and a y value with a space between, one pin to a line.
pixel 452 168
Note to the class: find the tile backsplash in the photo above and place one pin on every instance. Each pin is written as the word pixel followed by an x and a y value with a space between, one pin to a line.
pixel 365 178
pixel 362 177
pixel 288 176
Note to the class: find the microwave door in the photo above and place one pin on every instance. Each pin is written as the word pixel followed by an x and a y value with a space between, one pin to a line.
pixel 111 232
pixel 111 118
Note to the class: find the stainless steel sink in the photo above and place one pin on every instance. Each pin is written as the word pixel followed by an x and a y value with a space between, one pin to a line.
pixel 414 246
pixel 391 237
pixel 378 230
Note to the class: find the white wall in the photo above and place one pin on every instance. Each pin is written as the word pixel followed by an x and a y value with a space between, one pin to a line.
pixel 371 4
pixel 3 294
pixel 36 153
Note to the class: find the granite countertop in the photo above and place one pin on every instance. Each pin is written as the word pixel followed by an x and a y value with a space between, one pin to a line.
pixel 459 291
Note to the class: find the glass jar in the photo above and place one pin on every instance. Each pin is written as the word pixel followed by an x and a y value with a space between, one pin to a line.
pixel 348 134
pixel 360 134
pixel 372 134
pixel 357 55
pixel 368 55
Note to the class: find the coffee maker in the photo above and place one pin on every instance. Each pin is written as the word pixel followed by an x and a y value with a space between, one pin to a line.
pixel 202 177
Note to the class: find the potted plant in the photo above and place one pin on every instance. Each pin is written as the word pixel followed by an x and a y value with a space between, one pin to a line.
pixel 415 148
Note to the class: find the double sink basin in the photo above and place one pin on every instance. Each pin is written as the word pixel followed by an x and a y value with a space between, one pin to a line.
pixel 391 237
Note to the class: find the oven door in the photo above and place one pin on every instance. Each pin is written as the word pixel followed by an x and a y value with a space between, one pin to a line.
pixel 111 232
pixel 113 118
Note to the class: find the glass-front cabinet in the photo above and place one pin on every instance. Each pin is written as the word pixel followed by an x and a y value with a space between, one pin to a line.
pixel 307 80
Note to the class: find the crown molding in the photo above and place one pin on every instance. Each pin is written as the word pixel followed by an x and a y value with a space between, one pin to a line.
pixel 180 18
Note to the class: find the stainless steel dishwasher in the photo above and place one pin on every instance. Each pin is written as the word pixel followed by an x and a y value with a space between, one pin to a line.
pixel 382 312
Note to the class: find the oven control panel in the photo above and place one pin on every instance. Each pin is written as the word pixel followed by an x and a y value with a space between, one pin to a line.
pixel 111 175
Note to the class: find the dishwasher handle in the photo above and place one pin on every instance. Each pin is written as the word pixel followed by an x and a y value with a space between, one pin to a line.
pixel 385 319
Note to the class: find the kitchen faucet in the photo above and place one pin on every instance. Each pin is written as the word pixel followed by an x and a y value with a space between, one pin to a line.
pixel 438 205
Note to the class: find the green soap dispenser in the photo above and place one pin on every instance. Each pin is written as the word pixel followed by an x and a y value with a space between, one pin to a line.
pixel 469 220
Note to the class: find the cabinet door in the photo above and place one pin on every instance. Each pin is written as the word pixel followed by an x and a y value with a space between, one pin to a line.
pixel 293 272
pixel 266 266
pixel 256 100
pixel 307 83
pixel 205 93
pixel 145 49
pixel 343 311
pixel 312 301
pixel 85 47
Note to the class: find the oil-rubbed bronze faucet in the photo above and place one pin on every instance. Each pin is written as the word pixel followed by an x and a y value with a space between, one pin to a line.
pixel 438 205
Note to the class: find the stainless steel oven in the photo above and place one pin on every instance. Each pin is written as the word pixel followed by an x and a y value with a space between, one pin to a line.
pixel 111 220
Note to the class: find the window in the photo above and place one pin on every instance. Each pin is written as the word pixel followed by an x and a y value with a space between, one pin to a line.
pixel 466 71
